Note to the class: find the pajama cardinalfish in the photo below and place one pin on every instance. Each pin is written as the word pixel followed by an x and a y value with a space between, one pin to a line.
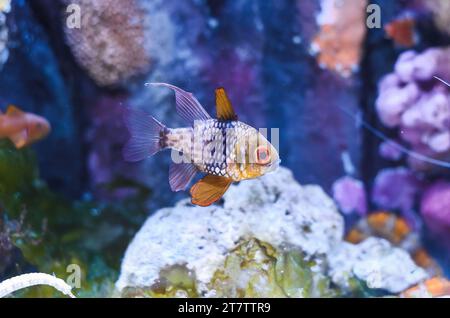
pixel 226 149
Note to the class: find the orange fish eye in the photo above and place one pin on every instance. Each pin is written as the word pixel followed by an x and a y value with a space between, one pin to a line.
pixel 262 155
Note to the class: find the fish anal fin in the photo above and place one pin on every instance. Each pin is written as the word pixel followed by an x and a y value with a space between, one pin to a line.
pixel 209 190
pixel 224 108
pixel 19 139
pixel 180 174
pixel 13 111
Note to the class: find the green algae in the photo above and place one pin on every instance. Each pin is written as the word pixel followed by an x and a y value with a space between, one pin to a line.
pixel 252 269
pixel 56 232
pixel 249 270
pixel 257 269
pixel 173 281
pixel 17 169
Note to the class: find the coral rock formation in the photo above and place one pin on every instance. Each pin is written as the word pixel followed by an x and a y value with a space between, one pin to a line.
pixel 433 287
pixel 110 43
pixel 276 210
pixel 441 13
pixel 435 209
pixel 264 224
pixel 398 232
pixel 396 188
pixel 338 44
pixel 412 100
pixel 350 195
pixel 5 7
pixel 377 263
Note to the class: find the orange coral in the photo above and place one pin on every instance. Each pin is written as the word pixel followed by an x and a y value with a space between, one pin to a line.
pixel 382 224
pixel 433 287
pixel 109 45
pixel 338 44
pixel 401 31
pixel 396 230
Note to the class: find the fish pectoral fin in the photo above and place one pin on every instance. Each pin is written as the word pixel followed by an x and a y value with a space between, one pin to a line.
pixel 180 174
pixel 19 139
pixel 224 108
pixel 209 190
pixel 14 111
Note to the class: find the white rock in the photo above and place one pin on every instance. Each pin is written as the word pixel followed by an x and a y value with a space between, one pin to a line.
pixel 376 262
pixel 273 208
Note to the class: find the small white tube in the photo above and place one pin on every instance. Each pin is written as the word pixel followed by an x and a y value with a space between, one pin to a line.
pixel 27 280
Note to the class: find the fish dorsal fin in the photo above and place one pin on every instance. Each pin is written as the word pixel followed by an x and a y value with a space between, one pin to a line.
pixel 209 190
pixel 224 108
pixel 13 111
pixel 188 107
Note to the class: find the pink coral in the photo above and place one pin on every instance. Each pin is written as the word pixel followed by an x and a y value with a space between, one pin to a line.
pixel 389 151
pixel 396 188
pixel 435 209
pixel 109 174
pixel 338 44
pixel 350 195
pixel 412 100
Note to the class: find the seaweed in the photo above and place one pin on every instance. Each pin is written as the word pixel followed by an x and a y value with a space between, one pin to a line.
pixel 53 232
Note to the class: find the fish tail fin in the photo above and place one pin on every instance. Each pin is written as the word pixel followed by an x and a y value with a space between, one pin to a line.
pixel 147 135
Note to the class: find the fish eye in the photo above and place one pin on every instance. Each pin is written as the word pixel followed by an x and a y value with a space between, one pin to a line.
pixel 262 155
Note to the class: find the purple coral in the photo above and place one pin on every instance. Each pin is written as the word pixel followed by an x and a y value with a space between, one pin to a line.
pixel 435 209
pixel 389 151
pixel 412 100
pixel 350 195
pixel 107 136
pixel 395 188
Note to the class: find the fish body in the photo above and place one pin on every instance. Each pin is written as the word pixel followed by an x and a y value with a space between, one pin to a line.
pixel 22 128
pixel 225 149
pixel 221 148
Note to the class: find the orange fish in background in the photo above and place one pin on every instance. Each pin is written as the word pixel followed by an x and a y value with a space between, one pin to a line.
pixel 396 230
pixel 433 287
pixel 22 128
pixel 401 31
